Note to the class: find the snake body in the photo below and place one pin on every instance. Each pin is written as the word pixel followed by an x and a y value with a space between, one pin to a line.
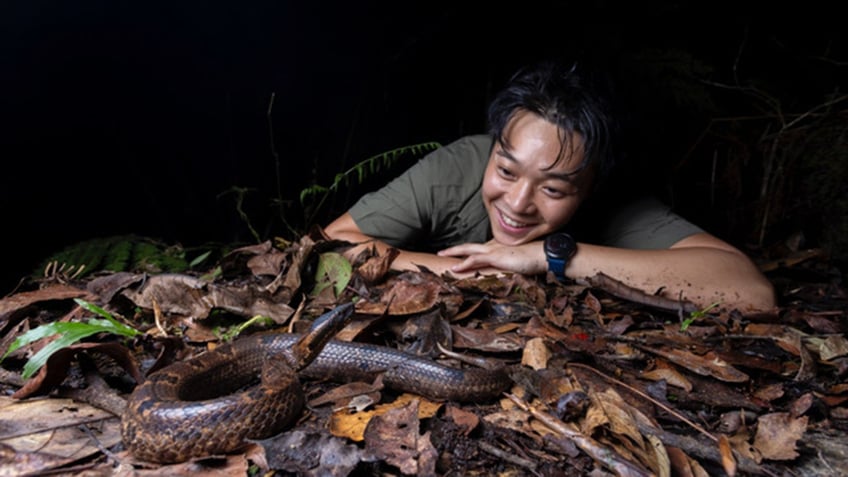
pixel 191 408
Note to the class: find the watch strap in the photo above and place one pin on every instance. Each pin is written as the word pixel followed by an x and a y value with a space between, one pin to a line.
pixel 557 267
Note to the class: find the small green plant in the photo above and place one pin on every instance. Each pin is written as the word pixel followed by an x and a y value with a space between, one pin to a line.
pixel 68 334
pixel 312 198
pixel 695 315
pixel 333 270
pixel 240 193
pixel 117 253
pixel 231 333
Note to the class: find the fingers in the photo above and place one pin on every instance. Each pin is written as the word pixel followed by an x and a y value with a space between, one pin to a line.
pixel 464 250
pixel 474 263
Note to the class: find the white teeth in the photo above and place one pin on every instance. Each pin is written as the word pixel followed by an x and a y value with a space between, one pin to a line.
pixel 511 222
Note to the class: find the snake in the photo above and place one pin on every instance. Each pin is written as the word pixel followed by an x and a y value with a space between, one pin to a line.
pixel 213 403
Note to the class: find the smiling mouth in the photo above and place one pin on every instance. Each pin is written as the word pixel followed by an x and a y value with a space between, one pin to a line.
pixel 510 222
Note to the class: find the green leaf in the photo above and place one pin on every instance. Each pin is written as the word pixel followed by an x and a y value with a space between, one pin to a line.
pixel 199 259
pixel 233 332
pixel 72 333
pixel 69 333
pixel 31 336
pixel 119 327
pixel 684 325
pixel 333 270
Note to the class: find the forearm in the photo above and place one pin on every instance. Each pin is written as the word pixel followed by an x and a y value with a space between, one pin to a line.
pixel 702 275
pixel 406 260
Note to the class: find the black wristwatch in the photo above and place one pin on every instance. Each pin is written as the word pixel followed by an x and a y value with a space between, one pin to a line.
pixel 559 248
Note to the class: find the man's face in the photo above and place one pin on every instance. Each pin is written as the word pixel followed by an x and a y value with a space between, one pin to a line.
pixel 524 196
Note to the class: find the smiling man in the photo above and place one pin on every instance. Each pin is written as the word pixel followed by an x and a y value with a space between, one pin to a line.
pixel 509 201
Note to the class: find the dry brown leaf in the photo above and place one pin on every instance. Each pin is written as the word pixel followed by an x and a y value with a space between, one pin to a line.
pixel 661 459
pixel 777 435
pixel 394 437
pixel 680 463
pixel 310 452
pixel 831 347
pixel 55 370
pixel 707 365
pixel 270 262
pixel 340 396
pixel 536 354
pixel 671 376
pixel 591 302
pixel 618 415
pixel 49 434
pixel 484 340
pixel 514 419
pixel 376 267
pixel 467 421
pixel 405 294
pixel 728 462
pixel 186 296
pixel 770 392
pixel 800 406
pixel 563 319
pixel 352 425
pixel 12 304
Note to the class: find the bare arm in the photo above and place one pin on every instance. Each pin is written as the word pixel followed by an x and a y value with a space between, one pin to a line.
pixel 700 268
pixel 344 228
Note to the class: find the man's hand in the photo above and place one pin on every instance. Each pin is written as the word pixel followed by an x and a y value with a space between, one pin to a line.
pixel 527 259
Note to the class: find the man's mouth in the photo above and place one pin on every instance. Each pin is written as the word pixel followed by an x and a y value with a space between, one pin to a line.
pixel 512 226
pixel 510 222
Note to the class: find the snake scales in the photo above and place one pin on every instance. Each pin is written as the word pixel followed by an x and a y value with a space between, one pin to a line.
pixel 192 408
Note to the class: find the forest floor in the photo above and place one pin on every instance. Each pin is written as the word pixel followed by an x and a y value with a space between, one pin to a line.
pixel 605 381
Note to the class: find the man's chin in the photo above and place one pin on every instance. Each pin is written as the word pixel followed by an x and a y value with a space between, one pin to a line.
pixel 512 239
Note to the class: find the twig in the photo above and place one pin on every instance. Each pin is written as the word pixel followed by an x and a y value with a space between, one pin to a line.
pixel 507 456
pixel 649 398
pixel 111 456
pixel 699 448
pixel 625 292
pixel 157 318
pixel 472 360
pixel 605 456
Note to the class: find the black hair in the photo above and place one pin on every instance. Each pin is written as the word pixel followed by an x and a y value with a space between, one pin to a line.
pixel 572 99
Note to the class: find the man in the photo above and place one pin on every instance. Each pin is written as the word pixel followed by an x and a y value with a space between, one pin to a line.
pixel 509 201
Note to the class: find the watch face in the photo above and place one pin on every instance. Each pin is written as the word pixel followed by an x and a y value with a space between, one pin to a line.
pixel 560 245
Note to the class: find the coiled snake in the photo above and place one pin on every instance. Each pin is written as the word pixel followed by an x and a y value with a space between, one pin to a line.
pixel 185 410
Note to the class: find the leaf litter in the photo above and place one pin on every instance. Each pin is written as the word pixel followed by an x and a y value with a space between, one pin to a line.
pixel 606 381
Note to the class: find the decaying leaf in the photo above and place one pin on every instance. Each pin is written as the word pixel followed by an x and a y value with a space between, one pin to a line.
pixel 352 425
pixel 536 354
pixel 707 365
pixel 333 272
pixel 671 376
pixel 778 434
pixel 394 437
pixel 311 452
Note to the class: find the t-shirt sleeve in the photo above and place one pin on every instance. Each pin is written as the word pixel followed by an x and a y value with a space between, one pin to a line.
pixel 433 204
pixel 646 223
pixel 391 214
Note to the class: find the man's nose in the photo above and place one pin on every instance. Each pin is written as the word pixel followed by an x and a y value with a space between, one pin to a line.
pixel 520 197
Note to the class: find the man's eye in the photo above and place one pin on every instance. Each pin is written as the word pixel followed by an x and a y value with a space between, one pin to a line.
pixel 505 172
pixel 556 193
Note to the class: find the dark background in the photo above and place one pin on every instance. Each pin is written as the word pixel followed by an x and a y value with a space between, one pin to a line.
pixel 138 117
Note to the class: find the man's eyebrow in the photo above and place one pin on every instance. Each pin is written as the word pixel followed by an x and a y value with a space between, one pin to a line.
pixel 569 177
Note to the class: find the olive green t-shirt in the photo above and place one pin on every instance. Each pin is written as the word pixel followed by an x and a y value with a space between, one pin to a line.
pixel 437 203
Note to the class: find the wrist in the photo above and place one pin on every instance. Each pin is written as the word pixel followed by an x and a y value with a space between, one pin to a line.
pixel 559 248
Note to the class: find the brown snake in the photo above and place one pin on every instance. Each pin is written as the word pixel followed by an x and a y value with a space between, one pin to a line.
pixel 186 410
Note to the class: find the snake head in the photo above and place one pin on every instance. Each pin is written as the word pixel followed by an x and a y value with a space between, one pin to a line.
pixel 323 329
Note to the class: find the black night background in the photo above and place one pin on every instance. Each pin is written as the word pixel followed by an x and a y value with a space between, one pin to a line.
pixel 141 117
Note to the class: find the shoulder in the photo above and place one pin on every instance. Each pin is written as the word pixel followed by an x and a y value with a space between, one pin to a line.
pixel 466 155
pixel 645 223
